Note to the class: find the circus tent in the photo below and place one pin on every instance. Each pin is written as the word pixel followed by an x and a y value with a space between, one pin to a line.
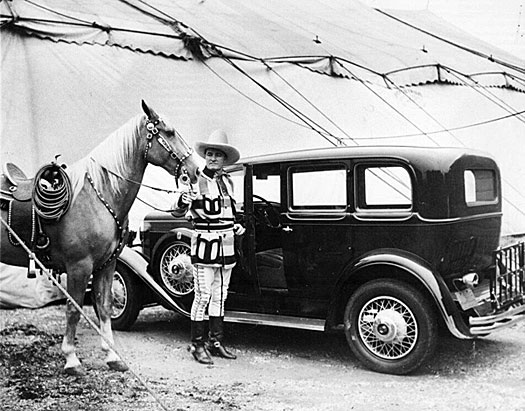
pixel 277 75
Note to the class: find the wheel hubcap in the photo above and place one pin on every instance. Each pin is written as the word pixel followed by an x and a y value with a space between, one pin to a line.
pixel 176 269
pixel 387 327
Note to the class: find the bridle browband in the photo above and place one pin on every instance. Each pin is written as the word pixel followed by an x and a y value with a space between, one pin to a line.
pixel 153 131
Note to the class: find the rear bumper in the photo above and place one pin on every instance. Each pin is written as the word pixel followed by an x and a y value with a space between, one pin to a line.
pixel 507 291
pixel 490 323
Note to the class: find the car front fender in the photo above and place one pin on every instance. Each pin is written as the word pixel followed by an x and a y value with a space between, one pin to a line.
pixel 139 266
pixel 177 233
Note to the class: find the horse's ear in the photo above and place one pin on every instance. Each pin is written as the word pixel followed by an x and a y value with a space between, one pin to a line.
pixel 146 109
pixel 149 111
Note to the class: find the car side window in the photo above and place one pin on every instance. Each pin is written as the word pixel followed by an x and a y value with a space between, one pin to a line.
pixel 384 188
pixel 318 188
pixel 267 182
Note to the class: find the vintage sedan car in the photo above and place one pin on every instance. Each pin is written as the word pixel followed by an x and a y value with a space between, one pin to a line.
pixel 384 244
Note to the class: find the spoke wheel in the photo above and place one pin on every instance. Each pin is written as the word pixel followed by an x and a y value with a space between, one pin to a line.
pixel 172 270
pixel 127 298
pixel 390 326
pixel 120 295
pixel 176 270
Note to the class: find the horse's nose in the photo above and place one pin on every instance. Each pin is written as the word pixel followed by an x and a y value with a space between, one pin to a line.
pixel 192 176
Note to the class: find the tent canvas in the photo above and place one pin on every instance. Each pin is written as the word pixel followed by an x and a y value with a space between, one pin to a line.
pixel 276 75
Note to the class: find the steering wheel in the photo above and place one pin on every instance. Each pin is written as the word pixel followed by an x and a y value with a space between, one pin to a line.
pixel 269 214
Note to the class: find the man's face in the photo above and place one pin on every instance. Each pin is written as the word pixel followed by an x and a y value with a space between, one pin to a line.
pixel 214 159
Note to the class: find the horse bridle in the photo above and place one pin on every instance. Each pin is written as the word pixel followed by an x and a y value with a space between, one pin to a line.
pixel 153 131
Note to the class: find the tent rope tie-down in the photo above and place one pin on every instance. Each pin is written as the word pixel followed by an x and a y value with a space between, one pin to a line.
pixel 81 312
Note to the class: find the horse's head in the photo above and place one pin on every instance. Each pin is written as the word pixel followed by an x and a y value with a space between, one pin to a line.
pixel 166 148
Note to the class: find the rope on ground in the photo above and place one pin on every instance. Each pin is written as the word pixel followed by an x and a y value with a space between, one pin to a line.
pixel 82 313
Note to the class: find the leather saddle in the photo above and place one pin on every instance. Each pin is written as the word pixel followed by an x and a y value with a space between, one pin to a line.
pixel 15 183
pixel 16 198
pixel 27 203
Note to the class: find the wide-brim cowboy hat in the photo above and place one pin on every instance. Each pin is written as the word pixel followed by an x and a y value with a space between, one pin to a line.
pixel 218 140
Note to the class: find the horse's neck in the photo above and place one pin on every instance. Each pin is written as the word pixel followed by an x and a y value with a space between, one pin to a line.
pixel 117 166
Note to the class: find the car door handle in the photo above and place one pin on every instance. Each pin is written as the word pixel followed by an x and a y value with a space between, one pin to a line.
pixel 287 229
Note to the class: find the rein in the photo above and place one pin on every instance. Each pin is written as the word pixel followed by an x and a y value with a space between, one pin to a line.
pixel 184 179
pixel 129 180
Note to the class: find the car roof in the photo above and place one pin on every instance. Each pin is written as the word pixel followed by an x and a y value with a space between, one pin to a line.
pixel 439 157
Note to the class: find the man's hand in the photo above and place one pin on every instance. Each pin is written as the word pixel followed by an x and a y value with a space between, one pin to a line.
pixel 238 229
pixel 187 197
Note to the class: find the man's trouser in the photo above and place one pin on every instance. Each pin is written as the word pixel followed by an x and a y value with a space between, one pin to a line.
pixel 211 290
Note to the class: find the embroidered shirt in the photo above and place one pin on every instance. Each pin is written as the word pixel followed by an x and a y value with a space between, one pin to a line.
pixel 213 215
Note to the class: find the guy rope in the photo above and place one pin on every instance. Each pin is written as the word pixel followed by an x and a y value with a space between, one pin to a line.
pixel 79 309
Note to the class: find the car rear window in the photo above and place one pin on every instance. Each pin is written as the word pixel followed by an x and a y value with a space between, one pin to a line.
pixel 480 187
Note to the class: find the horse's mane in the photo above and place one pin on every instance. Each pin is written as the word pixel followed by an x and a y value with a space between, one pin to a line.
pixel 115 153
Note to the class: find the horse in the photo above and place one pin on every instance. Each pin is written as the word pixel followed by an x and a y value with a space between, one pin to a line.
pixel 87 239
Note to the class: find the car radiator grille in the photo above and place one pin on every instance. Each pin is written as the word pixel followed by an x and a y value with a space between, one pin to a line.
pixel 507 287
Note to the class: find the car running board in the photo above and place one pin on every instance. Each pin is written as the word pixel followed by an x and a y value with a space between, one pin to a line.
pixel 275 320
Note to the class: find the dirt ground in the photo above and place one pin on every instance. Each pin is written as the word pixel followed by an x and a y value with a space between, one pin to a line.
pixel 277 369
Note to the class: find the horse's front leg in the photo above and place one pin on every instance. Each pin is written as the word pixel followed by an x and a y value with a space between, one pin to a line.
pixel 77 280
pixel 102 283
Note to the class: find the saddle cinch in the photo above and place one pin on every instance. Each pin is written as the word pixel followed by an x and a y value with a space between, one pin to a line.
pixel 27 203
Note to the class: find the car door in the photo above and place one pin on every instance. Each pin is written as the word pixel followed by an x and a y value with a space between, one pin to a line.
pixel 258 281
pixel 315 230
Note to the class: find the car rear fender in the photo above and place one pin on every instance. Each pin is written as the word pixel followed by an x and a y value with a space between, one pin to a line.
pixel 418 271
pixel 138 265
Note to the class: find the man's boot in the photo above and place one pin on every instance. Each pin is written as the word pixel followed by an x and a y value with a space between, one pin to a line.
pixel 197 348
pixel 215 342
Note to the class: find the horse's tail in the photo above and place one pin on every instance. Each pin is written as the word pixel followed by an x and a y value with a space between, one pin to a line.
pixel 52 192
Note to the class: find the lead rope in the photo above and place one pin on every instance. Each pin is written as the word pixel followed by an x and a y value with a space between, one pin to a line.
pixel 79 309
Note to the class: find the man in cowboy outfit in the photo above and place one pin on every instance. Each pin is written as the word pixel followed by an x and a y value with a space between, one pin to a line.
pixel 212 210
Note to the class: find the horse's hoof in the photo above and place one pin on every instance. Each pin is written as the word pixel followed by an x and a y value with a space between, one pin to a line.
pixel 117 366
pixel 77 371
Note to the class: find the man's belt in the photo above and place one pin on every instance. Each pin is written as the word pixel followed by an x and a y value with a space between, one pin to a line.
pixel 199 224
